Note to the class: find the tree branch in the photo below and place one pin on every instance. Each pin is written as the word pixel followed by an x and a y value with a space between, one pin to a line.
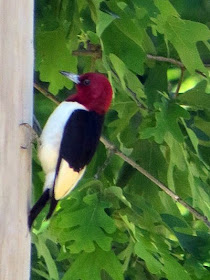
pixel 165 59
pixel 96 53
pixel 173 61
pixel 93 53
pixel 46 93
pixel 174 196
pixel 114 149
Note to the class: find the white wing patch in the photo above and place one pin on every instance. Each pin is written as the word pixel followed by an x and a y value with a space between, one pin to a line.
pixel 66 180
pixel 52 134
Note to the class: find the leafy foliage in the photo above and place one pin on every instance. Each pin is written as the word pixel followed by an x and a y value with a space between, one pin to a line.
pixel 117 224
pixel 74 227
pixel 94 263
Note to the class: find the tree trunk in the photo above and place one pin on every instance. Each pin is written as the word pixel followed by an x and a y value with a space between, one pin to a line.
pixel 16 95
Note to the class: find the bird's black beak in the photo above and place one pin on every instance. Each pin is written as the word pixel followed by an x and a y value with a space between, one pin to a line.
pixel 71 76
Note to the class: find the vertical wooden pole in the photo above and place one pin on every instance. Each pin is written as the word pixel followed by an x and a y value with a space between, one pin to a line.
pixel 16 95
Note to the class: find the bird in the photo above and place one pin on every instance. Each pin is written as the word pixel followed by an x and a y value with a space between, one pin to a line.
pixel 70 137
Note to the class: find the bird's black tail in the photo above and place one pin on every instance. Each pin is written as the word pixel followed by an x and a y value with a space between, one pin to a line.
pixel 53 203
pixel 37 208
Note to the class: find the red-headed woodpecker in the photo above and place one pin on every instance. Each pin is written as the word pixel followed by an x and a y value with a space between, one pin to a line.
pixel 70 137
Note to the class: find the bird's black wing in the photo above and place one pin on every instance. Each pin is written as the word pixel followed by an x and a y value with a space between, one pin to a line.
pixel 80 138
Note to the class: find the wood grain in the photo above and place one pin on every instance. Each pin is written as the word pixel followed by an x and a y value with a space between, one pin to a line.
pixel 16 103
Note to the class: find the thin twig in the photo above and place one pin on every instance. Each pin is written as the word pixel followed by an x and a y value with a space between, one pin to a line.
pixel 131 162
pixel 46 93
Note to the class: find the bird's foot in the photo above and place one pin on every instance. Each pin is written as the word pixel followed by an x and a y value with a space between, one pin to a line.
pixel 32 138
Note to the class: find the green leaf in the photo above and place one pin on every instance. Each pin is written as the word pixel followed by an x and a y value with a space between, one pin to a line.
pixel 196 97
pixel 118 192
pixel 169 205
pixel 130 29
pixel 156 82
pixel 173 221
pixel 174 270
pixel 45 253
pixel 193 244
pixel 166 122
pixel 41 273
pixel 166 9
pixel 126 255
pixel 177 158
pixel 135 85
pixel 184 35
pixel 201 196
pixel 193 138
pixel 129 225
pixel 119 44
pixel 51 45
pixel 120 68
pixel 90 266
pixel 125 110
pixel 104 21
pixel 88 225
pixel 146 252
pixel 148 6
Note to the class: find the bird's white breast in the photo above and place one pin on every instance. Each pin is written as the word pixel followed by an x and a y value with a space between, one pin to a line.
pixel 51 138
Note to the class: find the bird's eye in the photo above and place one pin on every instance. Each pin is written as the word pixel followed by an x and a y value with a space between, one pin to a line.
pixel 86 82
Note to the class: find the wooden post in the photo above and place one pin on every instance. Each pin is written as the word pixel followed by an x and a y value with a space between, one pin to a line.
pixel 16 95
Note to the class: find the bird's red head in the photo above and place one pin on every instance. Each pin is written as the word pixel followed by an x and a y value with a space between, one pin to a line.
pixel 93 91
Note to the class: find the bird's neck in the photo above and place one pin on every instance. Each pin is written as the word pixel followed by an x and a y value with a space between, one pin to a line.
pixel 91 104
